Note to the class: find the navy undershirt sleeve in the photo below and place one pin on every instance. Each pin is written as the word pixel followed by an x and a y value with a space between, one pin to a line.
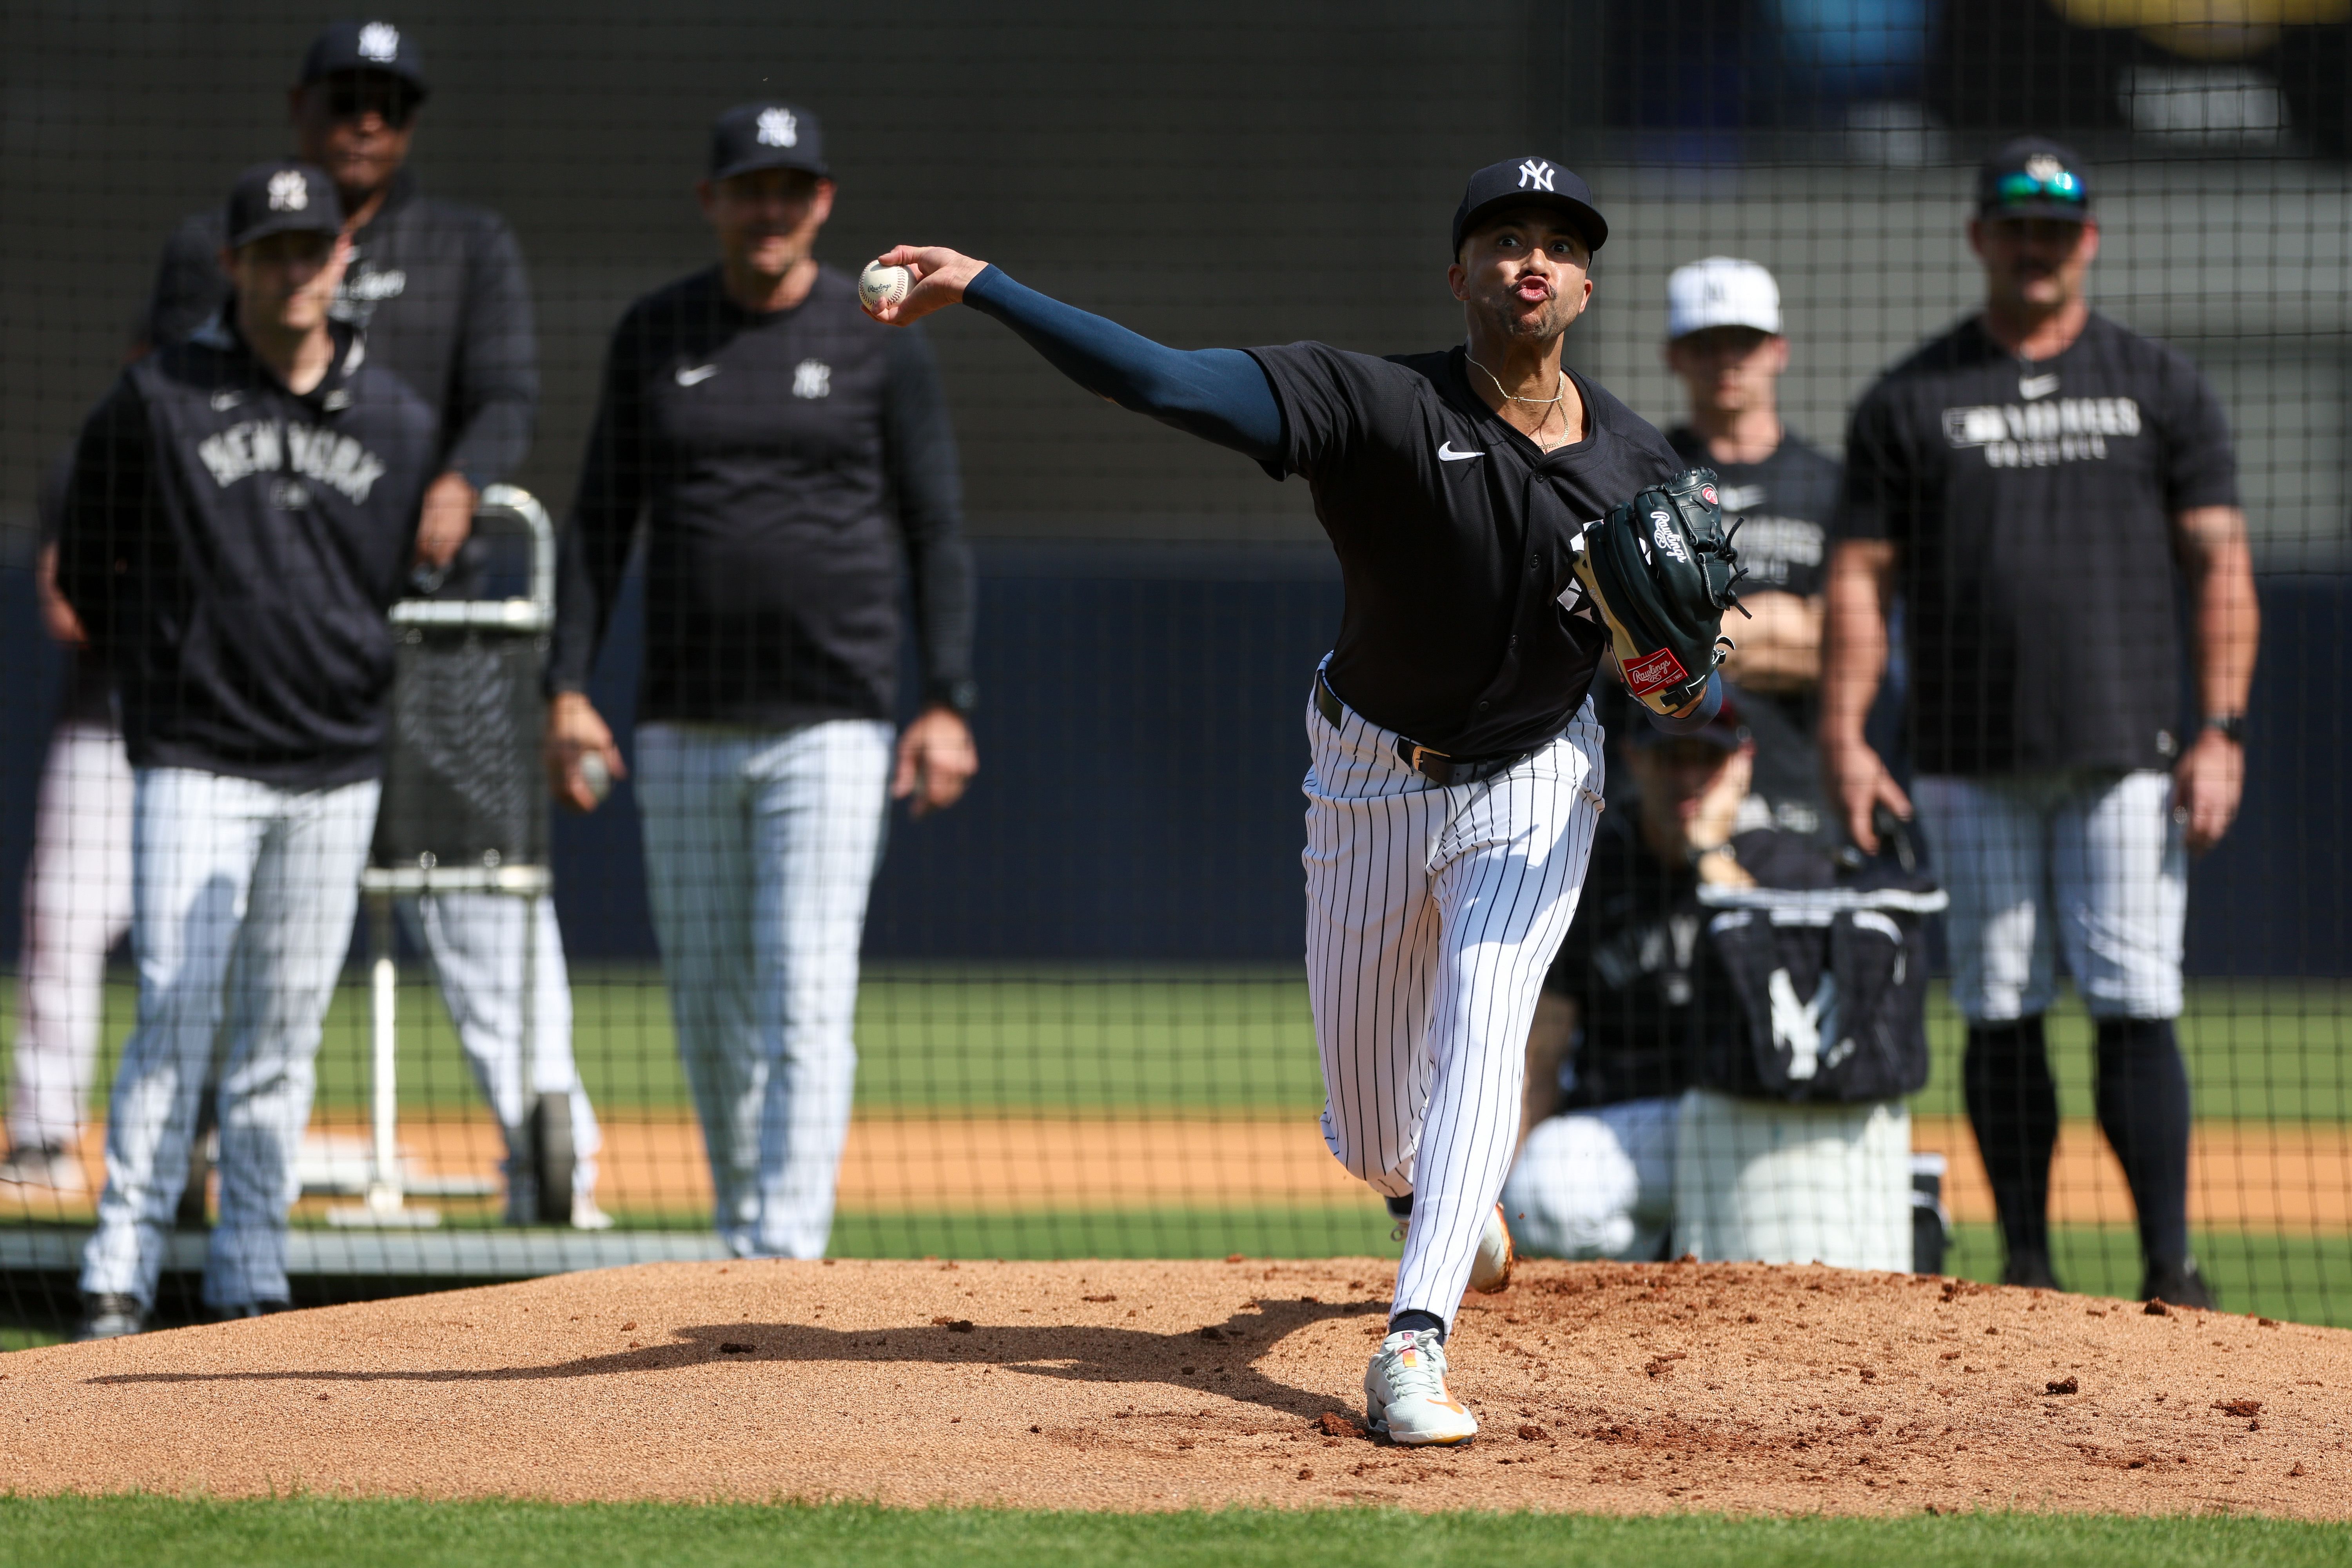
pixel 1699 718
pixel 1218 395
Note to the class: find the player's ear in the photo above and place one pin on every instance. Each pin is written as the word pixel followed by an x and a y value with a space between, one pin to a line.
pixel 820 202
pixel 1780 354
pixel 1456 276
pixel 1975 236
pixel 706 196
pixel 2087 248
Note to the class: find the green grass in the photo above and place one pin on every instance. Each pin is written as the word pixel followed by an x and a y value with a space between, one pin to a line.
pixel 2300 1278
pixel 1215 1041
pixel 1230 1040
pixel 160 1533
pixel 1354 1230
pixel 2270 1050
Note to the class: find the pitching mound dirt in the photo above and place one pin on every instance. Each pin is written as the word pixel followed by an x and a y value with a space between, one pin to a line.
pixel 1150 1386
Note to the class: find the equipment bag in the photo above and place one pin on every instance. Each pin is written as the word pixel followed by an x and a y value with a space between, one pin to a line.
pixel 1833 983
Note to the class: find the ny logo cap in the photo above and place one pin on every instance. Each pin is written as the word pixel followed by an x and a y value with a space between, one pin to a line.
pixel 1519 181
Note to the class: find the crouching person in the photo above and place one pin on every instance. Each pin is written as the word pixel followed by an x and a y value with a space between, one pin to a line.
pixel 1731 1025
pixel 242 512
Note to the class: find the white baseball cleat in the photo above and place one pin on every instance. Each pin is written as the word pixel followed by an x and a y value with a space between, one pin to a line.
pixel 1405 1399
pixel 1491 1270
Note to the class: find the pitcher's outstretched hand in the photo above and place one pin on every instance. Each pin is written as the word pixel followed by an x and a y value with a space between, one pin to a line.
pixel 940 275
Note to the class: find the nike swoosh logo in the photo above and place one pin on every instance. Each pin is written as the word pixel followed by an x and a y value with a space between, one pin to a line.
pixel 1446 454
pixel 695 375
pixel 2030 388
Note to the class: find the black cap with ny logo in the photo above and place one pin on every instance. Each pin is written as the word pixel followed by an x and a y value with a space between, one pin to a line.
pixel 282 196
pixel 1516 182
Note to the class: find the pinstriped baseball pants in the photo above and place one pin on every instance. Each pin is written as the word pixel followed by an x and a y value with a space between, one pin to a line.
pixel 1431 915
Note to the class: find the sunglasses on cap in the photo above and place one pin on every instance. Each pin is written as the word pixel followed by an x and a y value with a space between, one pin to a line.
pixel 350 97
pixel 2062 186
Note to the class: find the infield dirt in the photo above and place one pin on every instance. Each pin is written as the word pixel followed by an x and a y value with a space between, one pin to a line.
pixel 1152 1385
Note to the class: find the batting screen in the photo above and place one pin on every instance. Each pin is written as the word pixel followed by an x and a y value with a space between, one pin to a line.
pixel 2016 334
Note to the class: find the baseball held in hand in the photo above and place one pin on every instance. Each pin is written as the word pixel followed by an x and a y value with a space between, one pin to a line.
pixel 594 777
pixel 878 285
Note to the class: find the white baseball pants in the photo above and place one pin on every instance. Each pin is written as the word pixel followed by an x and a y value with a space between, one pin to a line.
pixel 244 896
pixel 77 906
pixel 1597 1183
pixel 1431 915
pixel 474 943
pixel 761 846
pixel 2086 864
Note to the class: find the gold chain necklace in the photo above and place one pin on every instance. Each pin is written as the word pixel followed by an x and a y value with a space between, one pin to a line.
pixel 1546 404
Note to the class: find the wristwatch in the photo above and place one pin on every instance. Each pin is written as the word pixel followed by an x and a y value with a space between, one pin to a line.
pixel 2231 725
pixel 962 696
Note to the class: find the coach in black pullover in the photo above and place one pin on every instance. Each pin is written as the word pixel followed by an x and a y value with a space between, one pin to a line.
pixel 780 458
pixel 778 447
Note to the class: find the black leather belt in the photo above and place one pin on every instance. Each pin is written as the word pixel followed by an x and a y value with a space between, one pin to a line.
pixel 1434 767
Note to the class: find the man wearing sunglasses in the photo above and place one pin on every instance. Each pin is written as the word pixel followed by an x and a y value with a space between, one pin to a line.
pixel 2030 480
pixel 439 291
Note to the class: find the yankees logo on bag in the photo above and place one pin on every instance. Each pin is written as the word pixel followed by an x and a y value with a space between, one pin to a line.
pixel 1662 570
pixel 1833 982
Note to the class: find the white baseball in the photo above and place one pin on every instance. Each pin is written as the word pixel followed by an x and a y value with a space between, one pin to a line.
pixel 594 775
pixel 878 285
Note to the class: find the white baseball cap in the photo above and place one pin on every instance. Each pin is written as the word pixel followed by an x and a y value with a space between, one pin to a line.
pixel 1721 292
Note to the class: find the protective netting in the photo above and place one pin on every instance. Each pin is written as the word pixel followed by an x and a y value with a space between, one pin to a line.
pixel 1081 1019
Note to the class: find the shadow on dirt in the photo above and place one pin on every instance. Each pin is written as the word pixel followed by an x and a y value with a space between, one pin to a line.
pixel 1220 1359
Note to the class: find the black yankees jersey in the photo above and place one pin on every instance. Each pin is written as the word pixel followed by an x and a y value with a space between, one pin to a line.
pixel 1464 627
pixel 1784 506
pixel 780 462
pixel 2031 504
pixel 232 549
pixel 439 290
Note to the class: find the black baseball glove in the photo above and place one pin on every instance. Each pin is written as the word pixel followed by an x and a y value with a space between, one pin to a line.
pixel 1661 569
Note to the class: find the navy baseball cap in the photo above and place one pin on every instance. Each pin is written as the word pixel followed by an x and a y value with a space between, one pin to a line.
pixel 766 136
pixel 1529 181
pixel 365 47
pixel 282 196
pixel 2033 177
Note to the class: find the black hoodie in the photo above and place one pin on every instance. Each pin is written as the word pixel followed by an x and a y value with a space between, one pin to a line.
pixel 232 547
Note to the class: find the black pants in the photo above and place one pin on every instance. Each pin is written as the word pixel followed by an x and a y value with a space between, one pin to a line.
pixel 2143 1104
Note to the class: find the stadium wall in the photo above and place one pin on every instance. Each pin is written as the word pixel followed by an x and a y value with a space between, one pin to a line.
pixel 1246 173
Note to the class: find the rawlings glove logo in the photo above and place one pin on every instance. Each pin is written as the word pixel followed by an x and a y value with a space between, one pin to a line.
pixel 1656 673
pixel 1664 536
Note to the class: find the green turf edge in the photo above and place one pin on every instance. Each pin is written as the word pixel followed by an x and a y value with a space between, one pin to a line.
pixel 164 1532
